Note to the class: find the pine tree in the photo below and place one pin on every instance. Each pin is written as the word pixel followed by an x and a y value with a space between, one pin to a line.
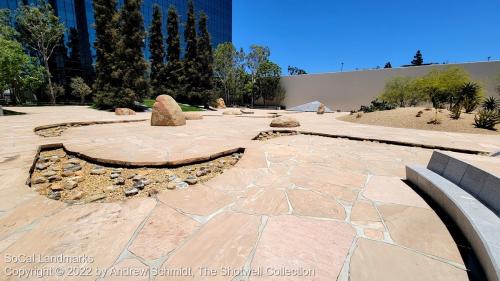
pixel 205 61
pixel 131 65
pixel 106 18
pixel 417 59
pixel 157 50
pixel 388 65
pixel 173 69
pixel 191 77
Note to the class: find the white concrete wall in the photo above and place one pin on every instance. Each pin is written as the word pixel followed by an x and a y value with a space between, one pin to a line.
pixel 349 90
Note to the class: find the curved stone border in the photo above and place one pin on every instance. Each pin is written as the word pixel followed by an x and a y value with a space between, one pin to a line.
pixel 84 123
pixel 127 164
pixel 393 142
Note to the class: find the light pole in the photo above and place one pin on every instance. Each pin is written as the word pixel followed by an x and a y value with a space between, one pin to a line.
pixel 341 67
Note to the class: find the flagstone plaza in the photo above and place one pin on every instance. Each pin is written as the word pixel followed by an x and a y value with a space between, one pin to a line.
pixel 294 207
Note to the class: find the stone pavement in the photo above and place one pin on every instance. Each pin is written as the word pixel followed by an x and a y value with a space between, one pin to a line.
pixel 294 208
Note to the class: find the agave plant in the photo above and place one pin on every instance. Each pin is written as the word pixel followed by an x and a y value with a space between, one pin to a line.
pixel 469 96
pixel 490 103
pixel 487 119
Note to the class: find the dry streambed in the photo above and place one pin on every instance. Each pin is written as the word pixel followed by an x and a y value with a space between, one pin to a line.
pixel 64 177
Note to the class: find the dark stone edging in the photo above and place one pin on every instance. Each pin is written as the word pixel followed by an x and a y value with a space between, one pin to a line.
pixel 84 123
pixel 385 141
pixel 127 164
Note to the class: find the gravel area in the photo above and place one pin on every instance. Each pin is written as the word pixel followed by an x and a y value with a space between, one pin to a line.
pixel 406 118
pixel 64 177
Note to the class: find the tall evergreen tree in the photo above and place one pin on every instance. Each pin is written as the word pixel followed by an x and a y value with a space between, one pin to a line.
pixel 417 59
pixel 173 69
pixel 106 19
pixel 205 60
pixel 157 49
pixel 73 62
pixel 191 75
pixel 131 65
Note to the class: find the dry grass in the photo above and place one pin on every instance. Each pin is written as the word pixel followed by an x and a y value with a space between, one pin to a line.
pixel 406 118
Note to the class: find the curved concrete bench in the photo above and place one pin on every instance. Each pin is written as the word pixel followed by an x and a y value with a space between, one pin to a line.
pixel 460 189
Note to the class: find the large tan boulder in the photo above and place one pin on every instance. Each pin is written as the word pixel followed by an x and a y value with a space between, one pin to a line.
pixel 321 109
pixel 166 112
pixel 232 112
pixel 124 111
pixel 285 122
pixel 220 104
pixel 193 116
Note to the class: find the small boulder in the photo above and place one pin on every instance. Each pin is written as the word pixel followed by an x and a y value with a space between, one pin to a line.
pixel 166 112
pixel 285 122
pixel 193 116
pixel 232 112
pixel 220 104
pixel 321 109
pixel 124 111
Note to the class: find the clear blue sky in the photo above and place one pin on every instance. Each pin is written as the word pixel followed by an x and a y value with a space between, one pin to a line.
pixel 317 35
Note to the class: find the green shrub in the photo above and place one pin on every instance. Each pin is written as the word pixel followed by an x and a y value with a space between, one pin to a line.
pixel 487 119
pixel 401 91
pixel 377 105
pixel 80 89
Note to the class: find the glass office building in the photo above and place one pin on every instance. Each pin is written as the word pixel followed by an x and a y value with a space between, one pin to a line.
pixel 79 15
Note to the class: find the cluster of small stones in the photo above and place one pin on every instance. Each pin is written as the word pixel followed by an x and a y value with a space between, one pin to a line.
pixel 274 134
pixel 63 177
pixel 55 131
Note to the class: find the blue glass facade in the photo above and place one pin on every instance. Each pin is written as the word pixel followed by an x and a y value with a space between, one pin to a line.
pixel 79 14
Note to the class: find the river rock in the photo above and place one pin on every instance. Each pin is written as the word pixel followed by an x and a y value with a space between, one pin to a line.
pixel 166 112
pixel 119 181
pixel 131 191
pixel 70 184
pixel 38 180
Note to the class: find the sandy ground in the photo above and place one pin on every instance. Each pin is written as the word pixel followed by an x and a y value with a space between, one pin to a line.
pixel 406 118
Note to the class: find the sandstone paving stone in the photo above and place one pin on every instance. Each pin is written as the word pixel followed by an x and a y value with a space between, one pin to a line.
pixel 303 244
pixel 226 241
pixel 373 234
pixel 265 201
pixel 312 204
pixel 420 229
pixel 392 190
pixel 198 200
pixel 379 261
pixel 163 232
pixel 364 213
pixel 27 213
pixel 90 230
